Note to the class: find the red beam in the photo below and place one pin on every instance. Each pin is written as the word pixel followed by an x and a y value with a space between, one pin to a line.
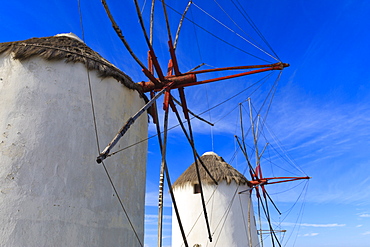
pixel 265 181
pixel 190 79
pixel 280 65
pixel 227 77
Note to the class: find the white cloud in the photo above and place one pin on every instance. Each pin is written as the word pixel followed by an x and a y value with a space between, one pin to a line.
pixel 359 226
pixel 323 225
pixel 151 199
pixel 364 215
pixel 313 225
pixel 154 216
pixel 366 233
pixel 310 234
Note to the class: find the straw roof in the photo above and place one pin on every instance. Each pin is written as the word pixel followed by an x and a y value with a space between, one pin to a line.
pixel 216 165
pixel 69 49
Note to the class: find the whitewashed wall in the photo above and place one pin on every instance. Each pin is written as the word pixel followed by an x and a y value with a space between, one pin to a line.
pixel 230 223
pixel 52 192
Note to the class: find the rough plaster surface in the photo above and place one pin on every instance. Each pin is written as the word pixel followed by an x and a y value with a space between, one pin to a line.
pixel 52 192
pixel 227 213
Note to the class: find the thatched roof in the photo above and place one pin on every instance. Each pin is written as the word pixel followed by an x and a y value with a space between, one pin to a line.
pixel 220 170
pixel 69 49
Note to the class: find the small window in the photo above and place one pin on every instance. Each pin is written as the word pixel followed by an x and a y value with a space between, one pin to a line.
pixel 196 189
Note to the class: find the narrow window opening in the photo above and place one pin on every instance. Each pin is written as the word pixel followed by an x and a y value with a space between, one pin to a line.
pixel 196 189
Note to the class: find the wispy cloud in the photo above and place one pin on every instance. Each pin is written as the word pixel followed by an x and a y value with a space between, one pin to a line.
pixel 313 225
pixel 366 233
pixel 151 199
pixel 323 225
pixel 359 226
pixel 154 216
pixel 364 215
pixel 310 234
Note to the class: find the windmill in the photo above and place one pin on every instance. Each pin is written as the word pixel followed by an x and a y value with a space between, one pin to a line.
pixel 160 83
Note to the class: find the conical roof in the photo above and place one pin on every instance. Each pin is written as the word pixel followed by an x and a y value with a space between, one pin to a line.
pixel 220 170
pixel 70 49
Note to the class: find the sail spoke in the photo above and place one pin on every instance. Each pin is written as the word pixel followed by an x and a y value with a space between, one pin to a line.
pixel 125 127
pixel 180 23
pixel 126 44
pixel 151 22
pixel 251 169
pixel 186 115
pixel 192 113
pixel 196 159
pixel 153 56
pixel 174 109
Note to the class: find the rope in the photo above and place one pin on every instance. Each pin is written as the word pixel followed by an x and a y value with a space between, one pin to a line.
pixel 191 229
pixel 237 34
pixel 97 137
pixel 210 119
pixel 264 78
pixel 217 37
pixel 244 223
pixel 300 213
pixel 122 38
pixel 196 38
pixel 213 107
pixel 288 159
pixel 81 22
pixel 105 169
pixel 254 26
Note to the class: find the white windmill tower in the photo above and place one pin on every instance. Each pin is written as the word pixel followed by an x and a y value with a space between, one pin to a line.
pixel 59 101
pixel 230 214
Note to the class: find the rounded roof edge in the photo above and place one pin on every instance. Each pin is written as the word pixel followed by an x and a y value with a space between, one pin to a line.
pixel 218 168
pixel 71 35
pixel 71 49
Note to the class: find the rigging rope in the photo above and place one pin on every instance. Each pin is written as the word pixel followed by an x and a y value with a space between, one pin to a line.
pixel 217 37
pixel 265 80
pixel 288 159
pixel 213 107
pixel 105 169
pixel 97 136
pixel 244 13
pixel 237 34
pixel 246 225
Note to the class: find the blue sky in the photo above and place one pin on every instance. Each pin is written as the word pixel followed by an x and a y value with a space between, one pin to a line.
pixel 320 113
